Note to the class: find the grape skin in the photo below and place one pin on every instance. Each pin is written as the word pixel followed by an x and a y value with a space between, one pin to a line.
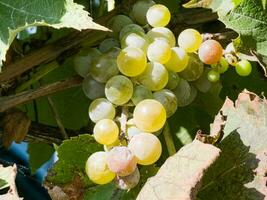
pixel 158 15
pixel 140 93
pixel 135 40
pixel 173 80
pixel 210 52
pixel 93 89
pixel 108 44
pixel 190 40
pixel 159 51
pixel 178 60
pixel 213 76
pixel 140 9
pixel 243 68
pixel 162 33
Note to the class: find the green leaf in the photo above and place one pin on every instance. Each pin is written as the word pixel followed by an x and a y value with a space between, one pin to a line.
pixel 17 15
pixel 3 184
pixel 264 2
pixel 39 153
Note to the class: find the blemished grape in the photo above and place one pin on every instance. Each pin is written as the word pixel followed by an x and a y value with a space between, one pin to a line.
pixel 168 99
pixel 243 68
pixel 173 80
pixel 97 169
pixel 119 90
pixel 223 65
pixel 213 76
pixel 155 76
pixel 149 115
pixel 117 22
pixel 193 70
pixel 140 9
pixel 178 60
pixel 121 161
pixel 140 93
pixel 162 33
pixel 190 40
pixel 101 109
pixel 135 40
pixel 146 148
pixel 108 44
pixel 93 89
pixel 128 182
pixel 159 51
pixel 158 15
pixel 182 92
pixel 210 52
pixel 131 28
pixel 103 68
pixel 83 60
pixel 106 131
pixel 131 61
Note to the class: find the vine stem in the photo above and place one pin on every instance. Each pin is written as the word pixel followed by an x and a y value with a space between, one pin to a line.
pixel 168 139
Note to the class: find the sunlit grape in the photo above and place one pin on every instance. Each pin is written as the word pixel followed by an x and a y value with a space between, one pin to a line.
pixel 178 60
pixel 190 40
pixel 243 68
pixel 162 33
pixel 158 15
pixel 135 40
pixel 210 52
pixel 159 51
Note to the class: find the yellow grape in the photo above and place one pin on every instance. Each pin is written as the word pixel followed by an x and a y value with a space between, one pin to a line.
pixel 159 51
pixel 189 40
pixel 178 61
pixel 158 15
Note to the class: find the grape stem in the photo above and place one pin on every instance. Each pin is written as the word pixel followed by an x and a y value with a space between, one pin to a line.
pixel 123 121
pixel 168 139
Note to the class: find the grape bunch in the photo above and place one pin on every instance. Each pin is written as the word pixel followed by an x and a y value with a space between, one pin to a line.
pixel 136 79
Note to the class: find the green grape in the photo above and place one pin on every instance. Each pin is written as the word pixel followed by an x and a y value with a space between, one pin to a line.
pixel 101 109
pixel 213 76
pixel 131 61
pixel 83 60
pixel 168 99
pixel 203 84
pixel 159 51
pixel 162 33
pixel 210 52
pixel 106 131
pixel 119 90
pixel 149 115
pixel 193 95
pixel 173 80
pixel 113 52
pixel 108 44
pixel 182 93
pixel 103 68
pixel 97 170
pixel 223 65
pixel 93 89
pixel 117 22
pixel 135 40
pixel 121 161
pixel 140 93
pixel 155 76
pixel 128 182
pixel 190 40
pixel 140 9
pixel 146 148
pixel 193 70
pixel 178 60
pixel 243 68
pixel 131 28
pixel 158 15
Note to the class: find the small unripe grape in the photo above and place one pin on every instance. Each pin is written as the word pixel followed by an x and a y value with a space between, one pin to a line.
pixel 243 68
pixel 178 60
pixel 213 76
pixel 97 169
pixel 149 115
pixel 223 65
pixel 159 51
pixel 121 161
pixel 158 15
pixel 106 131
pixel 210 52
pixel 189 40
pixel 146 147
pixel 128 182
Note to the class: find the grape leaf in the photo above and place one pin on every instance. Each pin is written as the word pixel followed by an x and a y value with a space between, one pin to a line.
pixel 17 15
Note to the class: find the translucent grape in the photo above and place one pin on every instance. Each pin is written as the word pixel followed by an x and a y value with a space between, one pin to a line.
pixel 173 80
pixel 210 52
pixel 159 51
pixel 158 15
pixel 97 170
pixel 103 68
pixel 119 90
pixel 93 89
pixel 146 148
pixel 155 76
pixel 83 60
pixel 108 44
pixel 131 28
pixel 162 33
pixel 243 68
pixel 121 161
pixel 128 182
pixel 106 131
pixel 193 70
pixel 190 40
pixel 168 99
pixel 178 60
pixel 117 22
pixel 101 109
pixel 140 93
pixel 140 9
pixel 135 40
pixel 149 115
pixel 213 76
pixel 131 61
